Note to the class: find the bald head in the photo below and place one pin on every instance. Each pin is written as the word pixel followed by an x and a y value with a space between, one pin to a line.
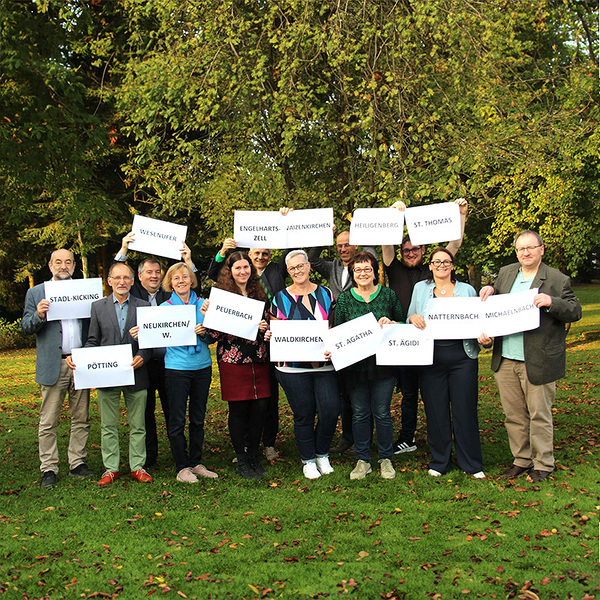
pixel 62 264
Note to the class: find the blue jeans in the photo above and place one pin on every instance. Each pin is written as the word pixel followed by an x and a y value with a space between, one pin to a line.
pixel 312 395
pixel 181 385
pixel 373 398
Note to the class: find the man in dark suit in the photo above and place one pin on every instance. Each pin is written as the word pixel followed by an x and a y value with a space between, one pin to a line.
pixel 111 323
pixel 527 364
pixel 54 342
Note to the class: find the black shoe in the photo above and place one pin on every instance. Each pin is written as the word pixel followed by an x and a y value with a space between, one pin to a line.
pixel 150 462
pixel 81 472
pixel 48 479
pixel 243 467
pixel 257 466
pixel 343 445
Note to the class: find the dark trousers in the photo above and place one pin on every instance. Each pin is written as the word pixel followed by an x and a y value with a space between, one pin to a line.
pixel 246 422
pixel 272 416
pixel 408 382
pixel 182 385
pixel 346 417
pixel 450 393
pixel 156 377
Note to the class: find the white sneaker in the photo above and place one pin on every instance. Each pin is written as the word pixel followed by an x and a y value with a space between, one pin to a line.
pixel 479 475
pixel 387 470
pixel 324 465
pixel 186 476
pixel 310 470
pixel 361 470
pixel 434 473
pixel 202 471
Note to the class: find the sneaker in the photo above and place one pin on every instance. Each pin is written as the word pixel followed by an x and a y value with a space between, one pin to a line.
pixel 257 466
pixel 343 445
pixel 311 471
pixel 244 468
pixel 271 453
pixel 49 479
pixel 186 476
pixel 402 447
pixel 108 477
pixel 82 471
pixel 324 465
pixel 387 470
pixel 479 475
pixel 362 469
pixel 141 475
pixel 202 471
pixel 434 473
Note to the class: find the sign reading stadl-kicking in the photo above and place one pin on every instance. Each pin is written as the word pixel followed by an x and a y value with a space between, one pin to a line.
pixel 103 366
pixel 352 341
pixel 234 314
pixel 297 341
pixel 404 345
pixel 72 298
pixel 377 226
pixel 162 326
pixel 433 223
pixel 271 229
pixel 160 238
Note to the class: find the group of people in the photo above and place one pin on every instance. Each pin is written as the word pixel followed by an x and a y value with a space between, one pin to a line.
pixel 526 365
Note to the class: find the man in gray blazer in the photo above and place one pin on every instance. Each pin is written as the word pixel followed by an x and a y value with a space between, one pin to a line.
pixel 111 323
pixel 527 364
pixel 54 342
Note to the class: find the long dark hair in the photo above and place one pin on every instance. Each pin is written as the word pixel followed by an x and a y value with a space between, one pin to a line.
pixel 435 251
pixel 254 286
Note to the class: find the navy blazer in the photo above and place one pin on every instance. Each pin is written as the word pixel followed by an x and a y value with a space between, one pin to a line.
pixel 544 347
pixel 105 331
pixel 48 337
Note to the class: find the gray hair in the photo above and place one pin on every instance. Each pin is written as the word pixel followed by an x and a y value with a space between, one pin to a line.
pixel 295 253
pixel 535 234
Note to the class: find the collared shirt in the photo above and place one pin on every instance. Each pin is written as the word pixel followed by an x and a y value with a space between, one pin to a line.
pixel 121 310
pixel 71 335
pixel 512 345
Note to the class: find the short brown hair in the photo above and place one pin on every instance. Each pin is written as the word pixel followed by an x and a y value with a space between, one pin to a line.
pixel 361 257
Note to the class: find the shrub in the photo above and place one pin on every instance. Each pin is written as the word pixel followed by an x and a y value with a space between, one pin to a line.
pixel 12 337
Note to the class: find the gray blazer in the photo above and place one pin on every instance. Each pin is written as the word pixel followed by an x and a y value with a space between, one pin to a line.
pixel 48 337
pixel 544 347
pixel 104 331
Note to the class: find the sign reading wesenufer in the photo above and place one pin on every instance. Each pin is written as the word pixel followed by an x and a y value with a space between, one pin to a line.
pixel 352 341
pixel 271 229
pixel 103 366
pixel 72 298
pixel 160 238
pixel 433 223
pixel 464 318
pixel 162 326
pixel 297 341
pixel 404 345
pixel 377 226
pixel 234 314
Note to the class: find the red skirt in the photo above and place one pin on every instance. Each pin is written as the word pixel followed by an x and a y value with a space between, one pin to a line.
pixel 248 381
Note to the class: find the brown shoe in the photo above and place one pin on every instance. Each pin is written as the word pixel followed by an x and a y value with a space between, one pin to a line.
pixel 538 475
pixel 515 471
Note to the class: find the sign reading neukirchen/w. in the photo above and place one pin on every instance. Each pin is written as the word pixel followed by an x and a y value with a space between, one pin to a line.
pixel 350 342
pixel 163 326
pixel 72 298
pixel 103 366
pixel 160 238
pixel 234 314
pixel 297 341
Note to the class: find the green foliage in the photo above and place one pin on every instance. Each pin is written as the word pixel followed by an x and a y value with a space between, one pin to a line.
pixel 11 336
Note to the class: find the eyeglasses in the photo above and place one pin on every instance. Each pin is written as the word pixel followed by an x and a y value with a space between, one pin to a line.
pixel 121 278
pixel 438 263
pixel 365 270
pixel 297 267
pixel 529 249
pixel 342 246
pixel 413 250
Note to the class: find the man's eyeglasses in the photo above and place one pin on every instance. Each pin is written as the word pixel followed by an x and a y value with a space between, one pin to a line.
pixel 529 249
pixel 413 250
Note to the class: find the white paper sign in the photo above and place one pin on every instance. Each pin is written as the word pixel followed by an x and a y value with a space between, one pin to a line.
pixel 160 238
pixel 270 229
pixel 163 326
pixel 433 223
pixel 375 226
pixel 404 345
pixel 352 341
pixel 297 341
pixel 510 313
pixel 72 298
pixel 309 227
pixel 103 366
pixel 233 314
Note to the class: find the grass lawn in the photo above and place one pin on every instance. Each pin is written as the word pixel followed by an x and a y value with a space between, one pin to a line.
pixel 285 537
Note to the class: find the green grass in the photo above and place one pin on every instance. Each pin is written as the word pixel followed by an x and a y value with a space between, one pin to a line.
pixel 286 537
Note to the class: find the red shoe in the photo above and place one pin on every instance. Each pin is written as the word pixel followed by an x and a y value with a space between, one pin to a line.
pixel 141 475
pixel 108 477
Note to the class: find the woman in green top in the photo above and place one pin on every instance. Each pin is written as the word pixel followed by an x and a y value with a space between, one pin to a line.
pixel 370 387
